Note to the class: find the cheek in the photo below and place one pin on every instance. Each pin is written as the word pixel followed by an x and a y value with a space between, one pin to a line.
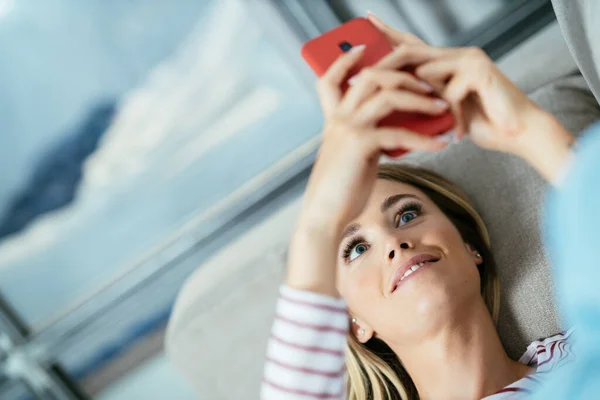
pixel 359 285
pixel 444 235
pixel 464 270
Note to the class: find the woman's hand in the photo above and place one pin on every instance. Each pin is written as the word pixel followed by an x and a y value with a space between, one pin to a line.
pixel 487 105
pixel 347 162
pixel 495 113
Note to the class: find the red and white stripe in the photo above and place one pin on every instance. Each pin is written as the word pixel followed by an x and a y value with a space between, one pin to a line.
pixel 305 355
pixel 545 355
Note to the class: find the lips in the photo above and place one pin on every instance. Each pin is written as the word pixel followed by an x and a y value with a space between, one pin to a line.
pixel 414 261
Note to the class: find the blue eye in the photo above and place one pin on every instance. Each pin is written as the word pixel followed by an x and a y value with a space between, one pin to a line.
pixel 407 213
pixel 357 251
pixel 407 217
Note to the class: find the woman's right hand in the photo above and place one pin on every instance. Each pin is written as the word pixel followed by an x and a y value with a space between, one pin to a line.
pixel 345 170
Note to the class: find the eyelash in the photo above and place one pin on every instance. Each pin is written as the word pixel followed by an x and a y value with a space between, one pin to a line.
pixel 351 245
pixel 410 206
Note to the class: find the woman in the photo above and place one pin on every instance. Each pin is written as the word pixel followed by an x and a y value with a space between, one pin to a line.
pixel 395 256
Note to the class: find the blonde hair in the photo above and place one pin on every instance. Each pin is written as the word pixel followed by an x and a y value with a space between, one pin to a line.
pixel 374 370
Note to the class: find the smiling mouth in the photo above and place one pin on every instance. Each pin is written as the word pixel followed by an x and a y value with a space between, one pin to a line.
pixel 414 268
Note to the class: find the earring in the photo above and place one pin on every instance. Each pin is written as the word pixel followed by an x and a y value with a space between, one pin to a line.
pixel 361 331
pixel 478 255
pixel 353 320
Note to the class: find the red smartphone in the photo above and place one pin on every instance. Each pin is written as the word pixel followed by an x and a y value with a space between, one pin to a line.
pixel 323 50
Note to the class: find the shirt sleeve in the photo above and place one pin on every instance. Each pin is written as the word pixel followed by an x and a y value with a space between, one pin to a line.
pixel 571 231
pixel 305 353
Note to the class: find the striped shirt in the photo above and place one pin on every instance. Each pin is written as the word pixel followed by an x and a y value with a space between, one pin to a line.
pixel 305 354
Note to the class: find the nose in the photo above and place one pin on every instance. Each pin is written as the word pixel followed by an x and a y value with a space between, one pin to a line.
pixel 392 252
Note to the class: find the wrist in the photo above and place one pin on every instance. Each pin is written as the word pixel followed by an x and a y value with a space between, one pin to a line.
pixel 315 221
pixel 312 260
pixel 546 145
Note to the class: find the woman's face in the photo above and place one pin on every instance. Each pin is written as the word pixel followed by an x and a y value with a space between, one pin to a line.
pixel 400 222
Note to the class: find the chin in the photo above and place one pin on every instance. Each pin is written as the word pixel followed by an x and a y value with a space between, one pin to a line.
pixel 434 307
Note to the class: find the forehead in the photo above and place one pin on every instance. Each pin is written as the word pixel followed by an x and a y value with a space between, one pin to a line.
pixel 384 188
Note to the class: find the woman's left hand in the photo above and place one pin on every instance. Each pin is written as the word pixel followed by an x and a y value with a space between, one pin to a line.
pixel 485 103
pixel 495 113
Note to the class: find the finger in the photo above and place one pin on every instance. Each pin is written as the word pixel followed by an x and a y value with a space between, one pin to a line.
pixel 457 90
pixel 340 67
pixel 470 61
pixel 386 101
pixel 470 115
pixel 388 139
pixel 369 80
pixel 329 85
pixel 390 79
pixel 409 55
pixel 395 37
pixel 437 71
pixel 454 85
pixel 455 93
pixel 459 121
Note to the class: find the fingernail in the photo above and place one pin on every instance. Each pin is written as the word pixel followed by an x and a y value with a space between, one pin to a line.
pixel 372 15
pixel 441 104
pixel 442 146
pixel 426 86
pixel 439 143
pixel 447 138
pixel 357 49
pixel 353 80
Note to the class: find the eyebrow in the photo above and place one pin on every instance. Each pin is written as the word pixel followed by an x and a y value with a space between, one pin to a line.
pixel 385 205
pixel 390 201
pixel 351 230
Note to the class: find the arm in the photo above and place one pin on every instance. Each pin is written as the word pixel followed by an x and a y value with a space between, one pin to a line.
pixel 572 233
pixel 305 354
pixel 547 147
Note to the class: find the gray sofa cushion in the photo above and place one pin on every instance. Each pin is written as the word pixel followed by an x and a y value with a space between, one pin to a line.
pixel 218 331
pixel 509 195
pixel 578 20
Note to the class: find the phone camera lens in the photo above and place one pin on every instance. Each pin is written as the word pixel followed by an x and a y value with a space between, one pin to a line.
pixel 345 46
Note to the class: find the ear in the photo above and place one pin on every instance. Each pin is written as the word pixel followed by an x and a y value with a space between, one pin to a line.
pixel 360 330
pixel 477 258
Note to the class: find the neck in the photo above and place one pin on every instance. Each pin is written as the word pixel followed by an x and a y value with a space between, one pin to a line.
pixel 463 360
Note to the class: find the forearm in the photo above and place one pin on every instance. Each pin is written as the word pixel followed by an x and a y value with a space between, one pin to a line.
pixel 547 146
pixel 312 259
